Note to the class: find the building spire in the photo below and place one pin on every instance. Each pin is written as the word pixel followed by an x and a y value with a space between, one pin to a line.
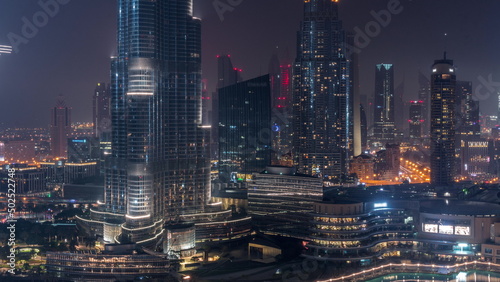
pixel 445 44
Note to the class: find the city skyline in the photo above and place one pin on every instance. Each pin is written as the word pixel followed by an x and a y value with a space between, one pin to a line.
pixel 316 141
pixel 392 44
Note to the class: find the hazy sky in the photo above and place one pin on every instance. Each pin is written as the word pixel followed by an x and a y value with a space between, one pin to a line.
pixel 70 53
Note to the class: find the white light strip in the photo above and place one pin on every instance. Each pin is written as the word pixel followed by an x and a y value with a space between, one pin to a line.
pixel 143 241
pixel 100 212
pixel 141 93
pixel 223 222
pixel 137 217
pixel 142 228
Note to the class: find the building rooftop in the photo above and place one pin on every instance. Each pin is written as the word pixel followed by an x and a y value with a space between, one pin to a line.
pixel 459 207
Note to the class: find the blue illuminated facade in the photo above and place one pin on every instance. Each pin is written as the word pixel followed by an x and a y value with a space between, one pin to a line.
pixel 322 102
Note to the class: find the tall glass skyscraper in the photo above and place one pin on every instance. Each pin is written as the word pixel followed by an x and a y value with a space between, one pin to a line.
pixel 244 128
pixel 158 169
pixel 384 130
pixel 322 102
pixel 60 129
pixel 443 88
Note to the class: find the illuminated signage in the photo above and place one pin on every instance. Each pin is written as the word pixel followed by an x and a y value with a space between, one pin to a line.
pixel 431 228
pixel 462 230
pixel 380 205
pixel 446 229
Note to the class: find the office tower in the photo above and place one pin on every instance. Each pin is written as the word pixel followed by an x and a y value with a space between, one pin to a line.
pixel 60 129
pixel 467 111
pixel 424 95
pixel 101 119
pixel 226 72
pixel 206 104
pixel 244 128
pixel 158 169
pixel 281 103
pixel 384 129
pixel 83 149
pixel 101 114
pixel 322 102
pixel 227 75
pixel 443 83
pixel 498 113
pixel 416 119
pixel 364 128
pixel 358 133
pixel 400 110
pixel 475 157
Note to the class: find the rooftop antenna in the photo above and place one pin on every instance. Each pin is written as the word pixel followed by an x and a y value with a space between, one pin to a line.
pixel 445 44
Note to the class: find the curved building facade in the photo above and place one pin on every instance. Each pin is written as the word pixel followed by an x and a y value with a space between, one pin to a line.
pixel 355 231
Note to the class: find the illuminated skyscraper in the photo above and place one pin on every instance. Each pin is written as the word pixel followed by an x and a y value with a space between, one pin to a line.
pixel 60 129
pixel 101 114
pixel 424 95
pixel 227 75
pixel 416 119
pixel 281 112
pixel 384 130
pixel 244 128
pixel 467 111
pixel 158 169
pixel 322 104
pixel 443 84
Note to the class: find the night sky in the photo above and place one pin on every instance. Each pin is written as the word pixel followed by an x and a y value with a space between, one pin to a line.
pixel 70 54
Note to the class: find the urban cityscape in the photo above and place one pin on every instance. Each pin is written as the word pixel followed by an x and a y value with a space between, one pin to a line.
pixel 249 140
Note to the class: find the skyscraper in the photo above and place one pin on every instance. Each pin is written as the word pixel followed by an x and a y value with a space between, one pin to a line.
pixel 424 95
pixel 322 102
pixel 384 130
pixel 443 84
pixel 363 127
pixel 467 111
pixel 227 75
pixel 60 129
pixel 280 73
pixel 244 128
pixel 158 169
pixel 416 119
pixel 101 114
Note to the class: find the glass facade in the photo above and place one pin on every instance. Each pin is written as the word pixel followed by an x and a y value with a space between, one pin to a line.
pixel 384 129
pixel 158 167
pixel 244 128
pixel 443 84
pixel 416 119
pixel 281 201
pixel 322 103
pixel 345 232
